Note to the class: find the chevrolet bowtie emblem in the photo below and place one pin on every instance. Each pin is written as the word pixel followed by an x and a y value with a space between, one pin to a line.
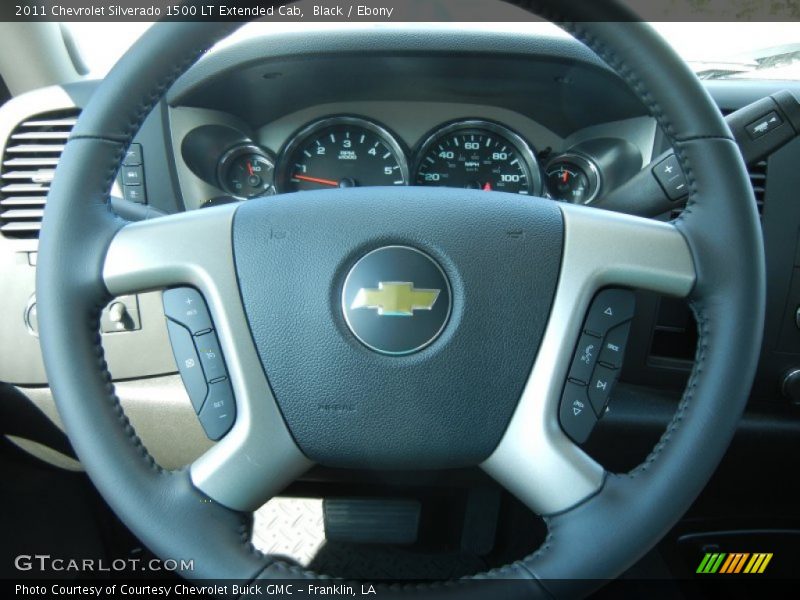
pixel 395 299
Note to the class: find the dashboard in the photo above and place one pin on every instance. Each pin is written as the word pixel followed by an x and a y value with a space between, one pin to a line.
pixel 347 148
pixel 438 115
pixel 536 116
pixel 288 112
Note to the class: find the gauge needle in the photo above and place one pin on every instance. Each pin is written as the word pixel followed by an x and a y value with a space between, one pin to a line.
pixel 487 187
pixel 330 182
pixel 565 176
pixel 250 168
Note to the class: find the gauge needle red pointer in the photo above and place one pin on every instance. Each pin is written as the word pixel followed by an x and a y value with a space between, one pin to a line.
pixel 329 182
pixel 565 176
pixel 487 187
pixel 250 168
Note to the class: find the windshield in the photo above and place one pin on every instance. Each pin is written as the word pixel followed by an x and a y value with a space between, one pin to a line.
pixel 714 50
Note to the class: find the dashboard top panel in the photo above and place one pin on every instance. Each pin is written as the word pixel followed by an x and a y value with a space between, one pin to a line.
pixel 558 80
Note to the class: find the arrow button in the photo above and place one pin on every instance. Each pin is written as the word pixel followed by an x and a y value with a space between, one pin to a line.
pixel 576 415
pixel 599 388
pixel 610 308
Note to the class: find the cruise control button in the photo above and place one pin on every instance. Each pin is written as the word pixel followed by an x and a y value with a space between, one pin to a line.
pixel 610 308
pixel 600 386
pixel 186 306
pixel 219 411
pixel 613 351
pixel 585 358
pixel 576 415
pixel 211 356
pixel 188 364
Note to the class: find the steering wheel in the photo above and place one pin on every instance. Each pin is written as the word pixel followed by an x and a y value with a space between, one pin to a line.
pixel 513 276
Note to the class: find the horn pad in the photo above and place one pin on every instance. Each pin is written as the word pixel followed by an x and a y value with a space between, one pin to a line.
pixel 397 326
pixel 396 300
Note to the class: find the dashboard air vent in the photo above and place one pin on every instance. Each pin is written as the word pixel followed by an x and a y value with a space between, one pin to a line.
pixel 758 179
pixel 30 158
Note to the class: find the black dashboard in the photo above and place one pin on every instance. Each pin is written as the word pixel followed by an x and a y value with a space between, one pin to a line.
pixel 527 115
pixel 351 150
pixel 504 113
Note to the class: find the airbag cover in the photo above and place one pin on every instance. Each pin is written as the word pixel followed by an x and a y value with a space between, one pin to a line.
pixel 446 405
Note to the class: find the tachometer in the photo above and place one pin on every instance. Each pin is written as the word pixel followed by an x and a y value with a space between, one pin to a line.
pixel 478 155
pixel 342 152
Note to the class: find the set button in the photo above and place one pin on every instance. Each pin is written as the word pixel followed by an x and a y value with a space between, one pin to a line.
pixel 219 410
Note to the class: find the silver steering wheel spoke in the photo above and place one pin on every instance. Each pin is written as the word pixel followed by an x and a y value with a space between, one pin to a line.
pixel 257 458
pixel 535 459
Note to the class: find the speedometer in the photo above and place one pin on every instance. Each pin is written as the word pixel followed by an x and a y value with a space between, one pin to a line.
pixel 342 152
pixel 478 155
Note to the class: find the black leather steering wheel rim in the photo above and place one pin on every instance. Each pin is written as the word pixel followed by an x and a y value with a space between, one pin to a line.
pixel 171 516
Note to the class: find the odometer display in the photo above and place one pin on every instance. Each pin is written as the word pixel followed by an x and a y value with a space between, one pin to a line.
pixel 342 152
pixel 478 155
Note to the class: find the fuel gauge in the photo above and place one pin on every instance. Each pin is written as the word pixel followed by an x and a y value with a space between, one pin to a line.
pixel 572 178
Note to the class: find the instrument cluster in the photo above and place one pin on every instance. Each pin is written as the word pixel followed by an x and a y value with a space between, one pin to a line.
pixel 351 151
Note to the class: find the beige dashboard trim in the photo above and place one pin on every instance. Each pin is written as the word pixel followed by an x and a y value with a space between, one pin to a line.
pixel 160 412
pixel 46 454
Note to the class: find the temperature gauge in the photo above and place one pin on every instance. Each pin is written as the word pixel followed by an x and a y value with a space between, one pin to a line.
pixel 572 178
pixel 246 172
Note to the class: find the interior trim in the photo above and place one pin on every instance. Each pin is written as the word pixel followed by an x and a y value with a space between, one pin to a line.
pixel 535 460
